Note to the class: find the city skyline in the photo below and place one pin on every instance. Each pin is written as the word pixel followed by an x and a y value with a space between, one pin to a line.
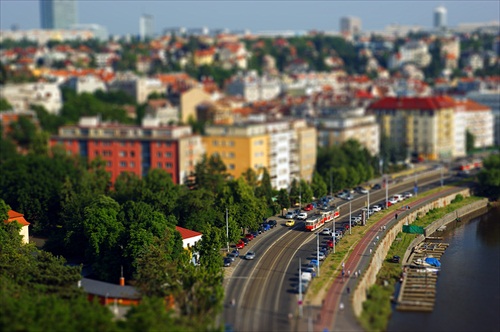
pixel 122 17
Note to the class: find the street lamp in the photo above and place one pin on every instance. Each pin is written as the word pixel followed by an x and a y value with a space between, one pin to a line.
pixel 386 191
pixel 300 288
pixel 227 230
pixel 350 218
pixel 317 249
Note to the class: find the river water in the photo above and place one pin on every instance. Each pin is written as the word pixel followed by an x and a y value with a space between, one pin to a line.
pixel 468 287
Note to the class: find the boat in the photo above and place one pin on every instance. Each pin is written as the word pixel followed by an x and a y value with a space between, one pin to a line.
pixel 427 263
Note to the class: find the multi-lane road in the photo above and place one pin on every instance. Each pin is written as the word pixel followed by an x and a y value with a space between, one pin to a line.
pixel 263 289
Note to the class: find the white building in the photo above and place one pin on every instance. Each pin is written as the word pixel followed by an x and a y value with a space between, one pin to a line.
pixel 479 121
pixel 21 96
pixel 279 157
pixel 490 98
pixel 89 83
pixel 416 52
pixel 440 17
pixel 146 27
pixel 253 88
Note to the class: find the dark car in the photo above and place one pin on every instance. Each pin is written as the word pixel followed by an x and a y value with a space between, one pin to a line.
pixel 245 240
pixel 395 259
pixel 235 252
pixel 227 262
pixel 272 223
pixel 376 186
pixel 254 233
pixel 231 256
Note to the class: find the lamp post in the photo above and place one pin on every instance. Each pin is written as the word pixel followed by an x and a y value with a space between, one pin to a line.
pixel 227 230
pixel 368 207
pixel 350 218
pixel 442 175
pixel 386 191
pixel 300 196
pixel 300 288
pixel 317 249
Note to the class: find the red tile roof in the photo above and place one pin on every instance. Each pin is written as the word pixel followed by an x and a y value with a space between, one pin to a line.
pixel 16 216
pixel 187 233
pixel 414 103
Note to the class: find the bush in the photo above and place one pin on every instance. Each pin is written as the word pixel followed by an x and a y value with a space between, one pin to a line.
pixel 458 198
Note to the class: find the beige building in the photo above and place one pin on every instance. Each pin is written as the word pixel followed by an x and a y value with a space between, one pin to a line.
pixel 351 125
pixel 479 121
pixel 424 124
pixel 19 218
pixel 189 101
pixel 304 149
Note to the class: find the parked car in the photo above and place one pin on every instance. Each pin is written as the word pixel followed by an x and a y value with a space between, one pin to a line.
pixel 231 256
pixel 308 207
pixel 302 216
pixel 244 239
pixel 290 222
pixel 361 190
pixel 240 244
pixel 326 231
pixel 314 262
pixel 342 195
pixel 310 270
pixel 319 254
pixel 329 243
pixel 249 236
pixel 265 227
pixel 376 186
pixel 290 215
pixel 302 287
pixel 255 233
pixel 376 208
pixel 272 223
pixel 250 255
pixel 398 197
pixel 407 195
pixel 392 201
pixel 227 262
pixel 235 252
pixel 349 197
pixel 395 259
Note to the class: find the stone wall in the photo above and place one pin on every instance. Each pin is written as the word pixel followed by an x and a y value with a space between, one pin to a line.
pixel 369 277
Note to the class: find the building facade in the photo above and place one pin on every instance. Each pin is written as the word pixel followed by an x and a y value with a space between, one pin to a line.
pixel 490 98
pixel 22 95
pixel 146 27
pixel 133 149
pixel 350 25
pixel 58 14
pixel 425 125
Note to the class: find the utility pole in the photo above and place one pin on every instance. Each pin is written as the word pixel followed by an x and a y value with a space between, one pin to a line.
pixel 300 196
pixel 350 218
pixel 317 249
pixel 227 230
pixel 368 207
pixel 386 191
pixel 300 288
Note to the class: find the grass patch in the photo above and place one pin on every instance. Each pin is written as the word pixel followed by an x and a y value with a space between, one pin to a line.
pixel 377 308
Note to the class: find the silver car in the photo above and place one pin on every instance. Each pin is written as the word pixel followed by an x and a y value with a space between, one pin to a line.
pixel 250 255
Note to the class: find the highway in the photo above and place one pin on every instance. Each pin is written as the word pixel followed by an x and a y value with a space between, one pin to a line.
pixel 264 288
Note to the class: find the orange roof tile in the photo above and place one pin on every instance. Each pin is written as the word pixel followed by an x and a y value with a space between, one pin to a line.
pixel 187 233
pixel 16 216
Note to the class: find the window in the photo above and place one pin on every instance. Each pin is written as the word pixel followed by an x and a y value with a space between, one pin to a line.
pixel 132 153
pixel 123 164
pixel 231 154
pixel 108 163
pixel 215 143
pixel 159 154
pixel 122 154
pixel 231 166
pixel 132 164
pixel 168 165
pixel 158 165
pixel 106 143
pixel 169 144
pixel 230 143
pixel 168 154
pixel 96 153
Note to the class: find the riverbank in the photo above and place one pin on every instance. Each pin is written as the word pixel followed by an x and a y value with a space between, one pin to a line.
pixel 377 309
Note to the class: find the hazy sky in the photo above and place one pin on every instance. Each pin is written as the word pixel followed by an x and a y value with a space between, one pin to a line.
pixel 122 17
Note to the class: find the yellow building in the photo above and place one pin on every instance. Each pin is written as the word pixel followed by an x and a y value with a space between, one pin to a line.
pixel 204 57
pixel 240 146
pixel 425 125
pixel 189 101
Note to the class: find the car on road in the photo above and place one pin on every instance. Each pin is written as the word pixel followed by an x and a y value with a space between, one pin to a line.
pixel 302 216
pixel 329 243
pixel 240 244
pixel 227 262
pixel 250 255
pixel 326 231
pixel 319 254
pixel 407 195
pixel 235 253
pixel 361 190
pixel 231 256
pixel 290 215
pixel 249 236
pixel 392 201
pixel 272 223
pixel 308 207
pixel 349 197
pixel 244 239
pixel 310 270
pixel 290 222
pixel 302 287
pixel 255 233
pixel 342 195
pixel 314 262
pixel 376 186
pixel 376 208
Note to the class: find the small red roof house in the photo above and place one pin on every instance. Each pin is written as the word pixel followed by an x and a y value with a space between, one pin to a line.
pixel 19 218
pixel 189 237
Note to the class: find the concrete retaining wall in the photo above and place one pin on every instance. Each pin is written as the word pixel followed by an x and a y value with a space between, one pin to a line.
pixel 369 277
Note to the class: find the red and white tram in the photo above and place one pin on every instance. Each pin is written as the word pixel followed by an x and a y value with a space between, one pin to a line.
pixel 320 218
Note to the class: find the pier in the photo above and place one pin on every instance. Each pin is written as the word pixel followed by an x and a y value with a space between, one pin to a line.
pixel 418 289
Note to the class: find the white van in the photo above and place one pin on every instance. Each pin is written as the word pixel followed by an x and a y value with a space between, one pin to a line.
pixel 306 276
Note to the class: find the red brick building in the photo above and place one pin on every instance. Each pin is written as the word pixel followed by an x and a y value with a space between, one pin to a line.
pixel 135 149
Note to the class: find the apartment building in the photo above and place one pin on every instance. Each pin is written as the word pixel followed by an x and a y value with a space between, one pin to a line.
pixel 304 148
pixel 424 124
pixel 253 88
pixel 137 87
pixel 479 121
pixel 240 146
pixel 490 98
pixel 351 124
pixel 22 95
pixel 135 149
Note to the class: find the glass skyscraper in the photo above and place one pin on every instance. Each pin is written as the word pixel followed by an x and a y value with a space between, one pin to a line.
pixel 58 14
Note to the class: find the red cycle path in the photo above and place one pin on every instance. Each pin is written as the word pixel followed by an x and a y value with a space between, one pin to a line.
pixel 331 302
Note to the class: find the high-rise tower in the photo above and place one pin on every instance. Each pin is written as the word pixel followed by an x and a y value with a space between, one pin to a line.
pixel 146 26
pixel 440 17
pixel 58 14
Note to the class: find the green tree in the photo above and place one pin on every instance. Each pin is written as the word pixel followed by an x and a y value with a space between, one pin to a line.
pixel 210 172
pixel 318 186
pixel 469 142
pixel 489 177
pixel 283 199
pixel 23 131
pixel 4 105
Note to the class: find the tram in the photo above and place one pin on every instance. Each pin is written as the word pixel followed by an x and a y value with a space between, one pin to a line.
pixel 319 219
